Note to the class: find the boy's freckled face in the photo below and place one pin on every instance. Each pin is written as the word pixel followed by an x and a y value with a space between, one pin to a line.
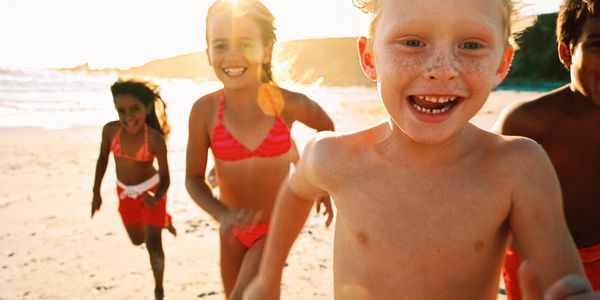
pixel 585 67
pixel 436 62
pixel 235 48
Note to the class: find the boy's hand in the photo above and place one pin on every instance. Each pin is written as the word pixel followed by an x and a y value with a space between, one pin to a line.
pixel 96 203
pixel 574 287
pixel 258 290
pixel 326 201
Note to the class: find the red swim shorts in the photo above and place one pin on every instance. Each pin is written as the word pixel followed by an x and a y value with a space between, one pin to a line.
pixel 590 257
pixel 133 210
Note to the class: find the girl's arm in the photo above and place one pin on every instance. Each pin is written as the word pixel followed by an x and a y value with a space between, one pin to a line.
pixel 195 164
pixel 159 147
pixel 312 114
pixel 101 164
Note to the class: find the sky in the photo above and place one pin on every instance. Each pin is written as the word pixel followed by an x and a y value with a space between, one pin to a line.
pixel 126 33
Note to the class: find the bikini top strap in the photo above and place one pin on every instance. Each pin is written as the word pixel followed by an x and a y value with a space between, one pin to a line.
pixel 272 102
pixel 146 136
pixel 221 106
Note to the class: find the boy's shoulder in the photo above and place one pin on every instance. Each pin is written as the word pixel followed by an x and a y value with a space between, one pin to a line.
pixel 342 145
pixel 528 117
pixel 513 151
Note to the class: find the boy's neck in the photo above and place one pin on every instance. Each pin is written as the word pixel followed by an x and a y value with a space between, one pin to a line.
pixel 398 144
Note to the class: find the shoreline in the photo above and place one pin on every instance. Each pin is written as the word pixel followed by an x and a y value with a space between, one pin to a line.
pixel 51 249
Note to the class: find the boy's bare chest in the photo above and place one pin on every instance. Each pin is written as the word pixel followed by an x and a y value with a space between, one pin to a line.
pixel 438 208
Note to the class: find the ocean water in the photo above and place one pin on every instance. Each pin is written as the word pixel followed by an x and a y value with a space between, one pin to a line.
pixel 53 99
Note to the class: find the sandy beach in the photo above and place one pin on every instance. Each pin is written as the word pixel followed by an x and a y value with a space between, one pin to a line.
pixel 51 249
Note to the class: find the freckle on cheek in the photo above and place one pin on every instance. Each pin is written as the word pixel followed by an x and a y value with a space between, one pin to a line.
pixel 405 65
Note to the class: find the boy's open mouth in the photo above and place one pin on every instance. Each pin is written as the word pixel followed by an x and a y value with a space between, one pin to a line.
pixel 433 104
pixel 234 71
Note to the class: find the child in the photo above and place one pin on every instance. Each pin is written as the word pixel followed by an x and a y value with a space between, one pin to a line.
pixel 427 204
pixel 135 140
pixel 249 135
pixel 565 123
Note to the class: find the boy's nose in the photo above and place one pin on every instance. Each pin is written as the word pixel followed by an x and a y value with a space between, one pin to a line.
pixel 441 66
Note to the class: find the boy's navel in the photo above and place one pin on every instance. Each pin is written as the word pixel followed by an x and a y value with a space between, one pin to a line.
pixel 478 245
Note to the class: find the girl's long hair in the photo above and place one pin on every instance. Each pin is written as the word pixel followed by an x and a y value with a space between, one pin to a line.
pixel 149 94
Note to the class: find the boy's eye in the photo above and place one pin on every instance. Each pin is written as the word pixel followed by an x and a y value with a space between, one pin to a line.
pixel 413 43
pixel 471 45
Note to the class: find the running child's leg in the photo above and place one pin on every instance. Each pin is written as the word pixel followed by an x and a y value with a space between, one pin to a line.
pixel 248 269
pixel 136 233
pixel 232 254
pixel 157 258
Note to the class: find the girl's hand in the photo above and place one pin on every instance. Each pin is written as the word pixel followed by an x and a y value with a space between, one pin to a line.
pixel 259 290
pixel 238 218
pixel 568 287
pixel 96 203
pixel 326 201
pixel 149 199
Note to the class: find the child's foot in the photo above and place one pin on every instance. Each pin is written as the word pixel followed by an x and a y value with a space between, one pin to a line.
pixel 159 294
pixel 172 229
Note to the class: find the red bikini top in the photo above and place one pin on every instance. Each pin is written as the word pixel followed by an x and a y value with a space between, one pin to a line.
pixel 143 154
pixel 226 147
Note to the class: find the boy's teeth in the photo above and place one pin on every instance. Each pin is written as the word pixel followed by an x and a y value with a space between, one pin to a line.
pixel 436 99
pixel 434 111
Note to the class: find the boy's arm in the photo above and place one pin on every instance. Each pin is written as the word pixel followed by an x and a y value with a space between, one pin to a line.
pixel 537 221
pixel 101 165
pixel 568 287
pixel 294 202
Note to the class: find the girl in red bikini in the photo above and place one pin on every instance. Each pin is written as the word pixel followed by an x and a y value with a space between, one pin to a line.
pixel 246 124
pixel 136 139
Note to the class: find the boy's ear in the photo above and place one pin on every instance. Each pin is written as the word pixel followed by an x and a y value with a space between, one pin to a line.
pixel 565 55
pixel 505 63
pixel 365 54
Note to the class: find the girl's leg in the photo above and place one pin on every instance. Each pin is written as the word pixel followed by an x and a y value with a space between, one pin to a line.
pixel 136 233
pixel 248 269
pixel 232 254
pixel 157 258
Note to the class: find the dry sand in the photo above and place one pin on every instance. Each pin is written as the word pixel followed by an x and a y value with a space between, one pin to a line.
pixel 51 249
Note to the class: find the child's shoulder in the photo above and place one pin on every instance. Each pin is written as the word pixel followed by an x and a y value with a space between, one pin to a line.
pixel 207 102
pixel 110 128
pixel 514 151
pixel 337 144
pixel 529 118
pixel 547 103
pixel 294 99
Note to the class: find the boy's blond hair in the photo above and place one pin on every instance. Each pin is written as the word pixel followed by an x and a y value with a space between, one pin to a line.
pixel 514 21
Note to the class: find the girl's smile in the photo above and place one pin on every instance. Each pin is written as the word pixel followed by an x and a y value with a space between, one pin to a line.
pixel 132 113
